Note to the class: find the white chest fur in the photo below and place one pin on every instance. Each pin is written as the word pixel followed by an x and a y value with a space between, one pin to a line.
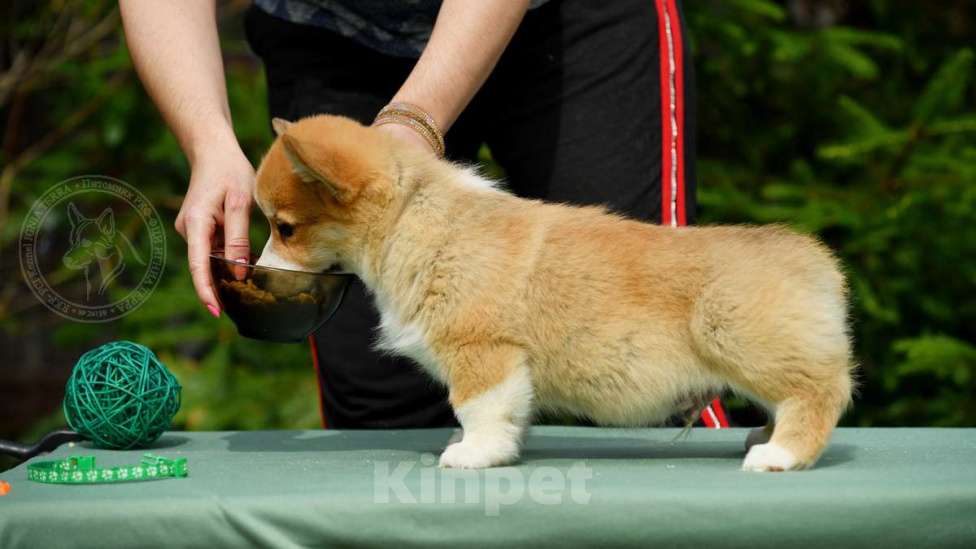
pixel 406 339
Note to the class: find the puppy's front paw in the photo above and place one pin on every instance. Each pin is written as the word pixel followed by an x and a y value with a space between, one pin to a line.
pixel 471 455
pixel 769 457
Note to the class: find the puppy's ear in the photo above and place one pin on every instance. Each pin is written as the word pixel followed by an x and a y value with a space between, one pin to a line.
pixel 338 153
pixel 280 125
pixel 301 156
pixel 297 158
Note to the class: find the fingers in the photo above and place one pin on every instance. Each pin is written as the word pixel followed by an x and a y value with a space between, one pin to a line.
pixel 219 194
pixel 237 212
pixel 181 224
pixel 199 234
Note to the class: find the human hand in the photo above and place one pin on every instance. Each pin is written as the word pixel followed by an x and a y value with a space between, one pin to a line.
pixel 406 134
pixel 220 191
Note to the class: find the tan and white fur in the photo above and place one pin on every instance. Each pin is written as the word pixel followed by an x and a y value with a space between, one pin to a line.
pixel 519 305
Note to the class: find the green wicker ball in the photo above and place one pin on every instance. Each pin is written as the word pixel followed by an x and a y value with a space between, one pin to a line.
pixel 121 396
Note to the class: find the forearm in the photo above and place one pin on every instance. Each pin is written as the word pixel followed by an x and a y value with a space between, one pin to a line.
pixel 467 40
pixel 176 51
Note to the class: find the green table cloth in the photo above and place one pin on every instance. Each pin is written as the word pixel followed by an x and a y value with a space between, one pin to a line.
pixel 575 486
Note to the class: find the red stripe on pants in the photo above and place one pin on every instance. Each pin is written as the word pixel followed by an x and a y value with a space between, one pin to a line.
pixel 679 78
pixel 667 136
pixel 671 47
pixel 318 377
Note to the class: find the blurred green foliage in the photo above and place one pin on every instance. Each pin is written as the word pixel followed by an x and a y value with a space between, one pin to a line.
pixel 113 129
pixel 862 130
pixel 855 123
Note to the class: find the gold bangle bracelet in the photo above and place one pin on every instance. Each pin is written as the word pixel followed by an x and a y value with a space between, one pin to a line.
pixel 421 129
pixel 409 109
pixel 418 115
pixel 416 118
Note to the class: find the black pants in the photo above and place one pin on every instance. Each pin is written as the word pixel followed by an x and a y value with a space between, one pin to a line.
pixel 573 113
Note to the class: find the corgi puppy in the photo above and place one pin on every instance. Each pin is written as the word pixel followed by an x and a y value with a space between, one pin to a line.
pixel 519 305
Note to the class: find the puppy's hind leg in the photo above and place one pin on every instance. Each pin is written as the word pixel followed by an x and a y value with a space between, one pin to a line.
pixel 804 422
pixel 792 355
pixel 491 393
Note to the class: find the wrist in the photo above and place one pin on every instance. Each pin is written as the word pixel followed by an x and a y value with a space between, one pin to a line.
pixel 212 141
pixel 417 120
pixel 434 107
pixel 406 134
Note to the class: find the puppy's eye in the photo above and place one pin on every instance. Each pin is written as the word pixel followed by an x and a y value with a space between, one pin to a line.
pixel 286 229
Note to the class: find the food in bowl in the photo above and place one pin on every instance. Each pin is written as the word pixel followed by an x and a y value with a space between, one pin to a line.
pixel 273 304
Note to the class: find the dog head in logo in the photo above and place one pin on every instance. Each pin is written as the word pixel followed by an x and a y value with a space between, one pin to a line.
pixel 98 248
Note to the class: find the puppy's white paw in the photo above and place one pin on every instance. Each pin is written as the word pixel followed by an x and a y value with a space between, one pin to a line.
pixel 471 455
pixel 769 457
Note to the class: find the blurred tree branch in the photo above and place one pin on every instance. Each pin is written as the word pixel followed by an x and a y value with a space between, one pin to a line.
pixel 73 34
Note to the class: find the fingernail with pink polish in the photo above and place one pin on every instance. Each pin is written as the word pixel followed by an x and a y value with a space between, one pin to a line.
pixel 214 311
